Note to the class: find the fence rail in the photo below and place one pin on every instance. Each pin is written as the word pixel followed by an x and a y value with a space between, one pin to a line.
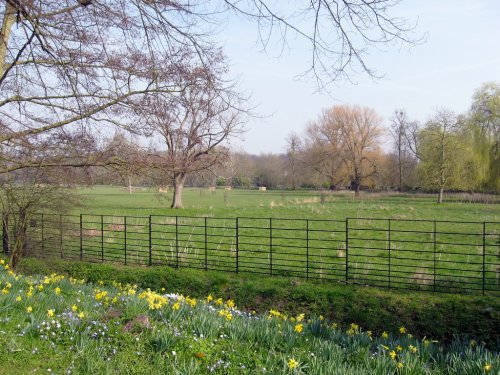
pixel 431 255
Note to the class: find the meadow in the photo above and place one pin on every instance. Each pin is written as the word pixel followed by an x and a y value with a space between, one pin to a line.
pixel 62 325
pixel 382 239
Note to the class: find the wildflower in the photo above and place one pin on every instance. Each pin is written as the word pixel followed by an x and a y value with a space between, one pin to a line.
pixel 410 336
pixel 19 298
pixel 100 294
pixel 2 262
pixel 191 301
pixel 57 291
pixel 81 315
pixel 402 330
pixel 292 363
pixel 40 287
pixel 300 317
pixel 219 301
pixel 321 317
pixel 29 309
pixel 230 303
pixel 413 349
pixel 334 325
pixel 176 306
pixel 399 348
pixel 385 335
pixel 8 285
pixel 369 334
pixel 392 354
pixel 353 329
pixel 226 314
pixel 426 343
pixel 74 308
pixel 487 367
pixel 50 313
pixel 473 343
pixel 298 328
pixel 5 291
pixel 210 298
pixel 399 365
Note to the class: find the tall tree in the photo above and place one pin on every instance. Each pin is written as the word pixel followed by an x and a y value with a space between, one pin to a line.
pixel 347 138
pixel 484 131
pixel 193 125
pixel 294 144
pixel 400 131
pixel 440 152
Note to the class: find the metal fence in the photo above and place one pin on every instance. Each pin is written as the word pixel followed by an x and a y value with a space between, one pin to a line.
pixel 431 255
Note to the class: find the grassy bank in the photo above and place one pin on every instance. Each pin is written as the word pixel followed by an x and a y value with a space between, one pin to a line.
pixel 437 316
pixel 55 324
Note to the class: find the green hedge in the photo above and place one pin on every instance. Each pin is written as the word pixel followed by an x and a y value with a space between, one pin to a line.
pixel 437 316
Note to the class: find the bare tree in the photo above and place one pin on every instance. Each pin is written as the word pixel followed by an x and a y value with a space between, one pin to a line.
pixel 193 126
pixel 75 62
pixel 401 129
pixel 294 144
pixel 347 137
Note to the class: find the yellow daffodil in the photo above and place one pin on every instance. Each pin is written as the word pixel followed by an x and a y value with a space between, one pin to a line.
pixel 392 354
pixel 74 308
pixel 19 298
pixel 399 365
pixel 402 330
pixel 29 309
pixel 176 306
pixel 487 367
pixel 81 315
pixel 298 328
pixel 413 349
pixel 292 363
pixel 50 313
pixel 210 298
pixel 57 291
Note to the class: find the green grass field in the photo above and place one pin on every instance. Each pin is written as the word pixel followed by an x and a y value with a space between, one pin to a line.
pixel 287 204
pixel 449 247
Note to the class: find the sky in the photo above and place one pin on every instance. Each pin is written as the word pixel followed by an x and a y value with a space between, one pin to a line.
pixel 461 51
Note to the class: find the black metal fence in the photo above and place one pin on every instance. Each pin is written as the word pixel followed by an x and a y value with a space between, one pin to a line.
pixel 432 255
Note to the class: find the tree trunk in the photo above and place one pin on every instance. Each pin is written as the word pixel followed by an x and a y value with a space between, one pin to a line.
pixel 178 187
pixel 129 185
pixel 440 196
pixel 5 234
pixel 9 17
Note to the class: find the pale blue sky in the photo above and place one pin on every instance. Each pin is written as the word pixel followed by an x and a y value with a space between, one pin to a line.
pixel 462 51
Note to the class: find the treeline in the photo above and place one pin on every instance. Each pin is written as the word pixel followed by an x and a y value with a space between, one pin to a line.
pixel 342 149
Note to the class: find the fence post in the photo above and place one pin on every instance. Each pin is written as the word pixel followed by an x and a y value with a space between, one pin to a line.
pixel 177 241
pixel 271 246
pixel 307 249
pixel 484 255
pixel 125 238
pixel 346 250
pixel 389 238
pixel 206 246
pixel 434 236
pixel 5 233
pixel 102 238
pixel 61 235
pixel 237 247
pixel 150 260
pixel 43 246
pixel 81 237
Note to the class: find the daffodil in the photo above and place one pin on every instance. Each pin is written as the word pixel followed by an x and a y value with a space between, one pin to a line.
pixel 392 354
pixel 176 306
pixel 399 365
pixel 74 308
pixel 487 367
pixel 402 330
pixel 298 328
pixel 210 298
pixel 29 309
pixel 292 363
pixel 50 313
